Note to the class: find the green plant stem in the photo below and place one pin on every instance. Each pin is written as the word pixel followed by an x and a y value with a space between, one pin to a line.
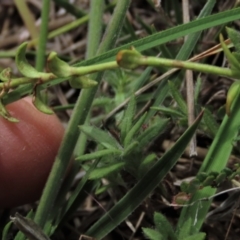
pixel 80 113
pixel 205 68
pixel 40 59
pixel 48 77
pixel 94 68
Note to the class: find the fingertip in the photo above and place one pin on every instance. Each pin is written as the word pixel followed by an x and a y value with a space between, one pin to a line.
pixel 27 151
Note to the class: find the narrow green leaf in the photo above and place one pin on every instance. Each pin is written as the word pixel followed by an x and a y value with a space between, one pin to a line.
pixel 211 123
pixel 104 171
pixel 152 234
pixel 169 111
pixel 197 236
pixel 5 114
pixel 5 74
pixel 127 120
pixel 39 104
pixel 6 233
pixel 178 97
pixel 185 230
pixel 98 154
pixel 235 38
pixel 130 135
pixel 232 94
pixel 100 136
pixel 152 132
pixel 145 164
pixel 143 188
pixel 235 65
pixel 164 227
pixel 130 148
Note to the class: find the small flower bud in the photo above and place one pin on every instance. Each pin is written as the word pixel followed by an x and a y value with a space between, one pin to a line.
pixel 128 58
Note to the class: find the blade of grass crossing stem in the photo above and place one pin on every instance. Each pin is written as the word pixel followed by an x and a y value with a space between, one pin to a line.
pixel 79 115
pixel 201 23
pixel 144 44
pixel 215 160
pixel 143 188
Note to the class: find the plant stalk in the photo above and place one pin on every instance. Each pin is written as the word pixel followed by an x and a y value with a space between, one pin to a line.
pixel 199 67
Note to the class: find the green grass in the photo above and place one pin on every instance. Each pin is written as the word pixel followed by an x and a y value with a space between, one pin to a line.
pixel 128 154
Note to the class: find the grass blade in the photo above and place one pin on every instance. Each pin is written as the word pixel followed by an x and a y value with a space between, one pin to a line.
pixel 143 188
pixel 100 136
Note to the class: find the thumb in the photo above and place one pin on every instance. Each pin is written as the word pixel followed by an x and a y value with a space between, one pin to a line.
pixel 27 152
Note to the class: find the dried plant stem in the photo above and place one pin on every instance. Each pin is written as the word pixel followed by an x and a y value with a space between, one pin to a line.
pixel 189 86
